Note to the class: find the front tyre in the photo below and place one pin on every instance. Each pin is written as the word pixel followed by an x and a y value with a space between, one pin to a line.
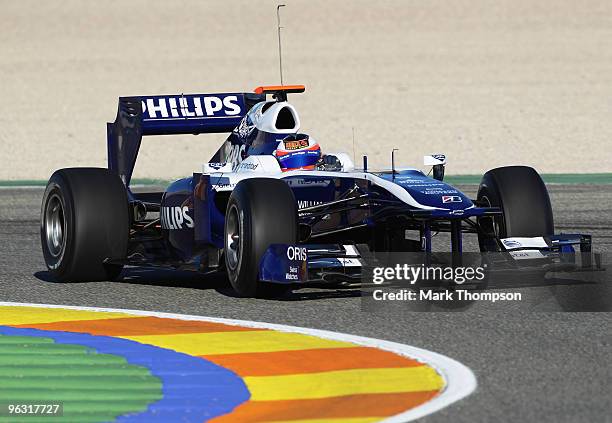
pixel 84 222
pixel 523 199
pixel 260 212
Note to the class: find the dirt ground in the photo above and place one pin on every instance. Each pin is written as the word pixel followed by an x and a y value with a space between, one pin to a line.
pixel 489 83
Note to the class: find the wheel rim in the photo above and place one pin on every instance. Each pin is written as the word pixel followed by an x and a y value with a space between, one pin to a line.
pixel 55 226
pixel 233 241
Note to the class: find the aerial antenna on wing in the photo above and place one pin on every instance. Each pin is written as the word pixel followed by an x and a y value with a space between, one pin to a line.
pixel 393 162
pixel 353 128
pixel 280 52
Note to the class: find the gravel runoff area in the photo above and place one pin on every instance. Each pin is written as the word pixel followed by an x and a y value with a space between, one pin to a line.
pixel 487 83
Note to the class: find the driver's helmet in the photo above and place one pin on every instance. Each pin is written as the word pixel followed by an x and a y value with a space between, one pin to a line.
pixel 298 151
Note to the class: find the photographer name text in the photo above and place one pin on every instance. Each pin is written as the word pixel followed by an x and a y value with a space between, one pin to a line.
pixel 458 295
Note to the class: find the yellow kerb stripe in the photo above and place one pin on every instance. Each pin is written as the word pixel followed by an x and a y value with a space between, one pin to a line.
pixel 10 315
pixel 343 382
pixel 238 342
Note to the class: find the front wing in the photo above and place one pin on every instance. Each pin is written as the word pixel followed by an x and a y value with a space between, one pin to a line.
pixel 348 264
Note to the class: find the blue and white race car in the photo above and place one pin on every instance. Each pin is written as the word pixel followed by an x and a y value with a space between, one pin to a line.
pixel 270 208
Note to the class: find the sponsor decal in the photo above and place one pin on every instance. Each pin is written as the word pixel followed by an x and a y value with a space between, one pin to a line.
pixel 297 253
pixel 301 153
pixel 176 217
pixel 237 154
pixel 434 160
pixel 429 186
pixel 451 199
pixel 524 242
pixel 526 254
pixel 245 128
pixel 190 106
pixel 216 165
pixel 438 191
pixel 222 186
pixel 248 166
pixel 510 243
pixel 305 183
pixel 405 181
pixel 349 262
pixel 293 274
pixel 295 144
pixel 302 204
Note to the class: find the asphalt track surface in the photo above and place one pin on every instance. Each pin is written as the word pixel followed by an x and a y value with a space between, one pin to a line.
pixel 544 366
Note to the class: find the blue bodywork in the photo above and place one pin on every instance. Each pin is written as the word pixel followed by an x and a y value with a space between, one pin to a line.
pixel 190 232
pixel 140 116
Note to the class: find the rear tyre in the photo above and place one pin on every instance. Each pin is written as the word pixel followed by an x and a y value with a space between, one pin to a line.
pixel 523 198
pixel 260 212
pixel 84 221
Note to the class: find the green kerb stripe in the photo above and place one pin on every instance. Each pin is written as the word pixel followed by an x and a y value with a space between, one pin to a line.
pixel 92 387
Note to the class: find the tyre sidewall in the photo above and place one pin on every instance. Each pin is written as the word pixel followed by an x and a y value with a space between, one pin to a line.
pixel 240 277
pixel 58 266
pixel 522 196
pixel 267 213
pixel 96 224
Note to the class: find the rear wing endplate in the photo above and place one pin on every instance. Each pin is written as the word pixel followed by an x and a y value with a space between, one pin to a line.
pixel 167 115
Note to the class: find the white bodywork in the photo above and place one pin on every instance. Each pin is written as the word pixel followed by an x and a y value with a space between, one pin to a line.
pixel 522 242
pixel 265 166
pixel 267 121
pixel 434 159
pixel 225 176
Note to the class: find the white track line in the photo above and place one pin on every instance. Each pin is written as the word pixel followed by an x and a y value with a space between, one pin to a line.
pixel 460 381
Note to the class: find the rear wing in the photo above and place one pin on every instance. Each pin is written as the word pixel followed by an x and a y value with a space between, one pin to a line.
pixel 167 115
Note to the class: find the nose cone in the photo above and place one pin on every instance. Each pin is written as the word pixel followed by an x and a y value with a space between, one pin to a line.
pixel 431 192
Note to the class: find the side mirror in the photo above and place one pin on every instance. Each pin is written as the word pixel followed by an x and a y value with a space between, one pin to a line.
pixel 437 162
pixel 345 160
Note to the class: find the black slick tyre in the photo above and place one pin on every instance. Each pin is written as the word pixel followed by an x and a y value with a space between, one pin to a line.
pixel 260 212
pixel 523 198
pixel 84 223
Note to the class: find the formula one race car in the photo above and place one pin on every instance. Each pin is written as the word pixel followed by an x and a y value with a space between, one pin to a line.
pixel 271 208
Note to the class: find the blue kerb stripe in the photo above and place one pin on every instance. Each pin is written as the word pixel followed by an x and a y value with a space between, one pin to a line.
pixel 194 389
